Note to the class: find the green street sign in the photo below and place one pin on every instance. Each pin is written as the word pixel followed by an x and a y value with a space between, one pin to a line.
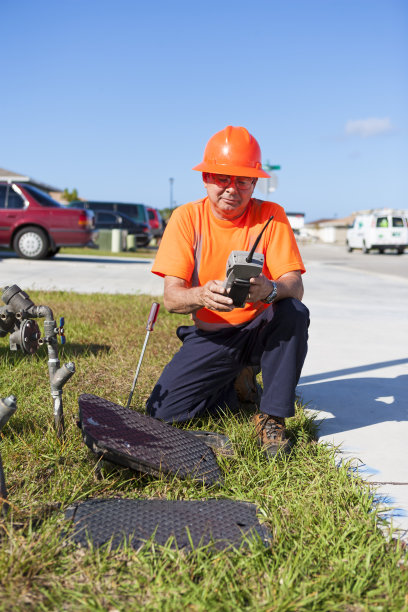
pixel 270 167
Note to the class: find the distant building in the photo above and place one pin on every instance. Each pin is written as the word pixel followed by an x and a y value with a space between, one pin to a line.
pixel 296 220
pixel 330 230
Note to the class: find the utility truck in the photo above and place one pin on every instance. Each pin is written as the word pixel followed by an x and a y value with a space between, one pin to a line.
pixel 380 230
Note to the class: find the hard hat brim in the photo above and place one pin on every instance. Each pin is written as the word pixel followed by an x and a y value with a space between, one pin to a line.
pixel 232 170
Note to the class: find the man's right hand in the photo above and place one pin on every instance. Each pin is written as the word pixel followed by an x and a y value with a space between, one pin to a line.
pixel 180 298
pixel 214 296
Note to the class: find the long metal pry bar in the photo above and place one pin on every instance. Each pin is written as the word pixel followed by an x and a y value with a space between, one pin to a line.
pixel 154 311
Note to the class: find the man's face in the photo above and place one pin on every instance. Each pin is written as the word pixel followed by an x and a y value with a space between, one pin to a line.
pixel 229 195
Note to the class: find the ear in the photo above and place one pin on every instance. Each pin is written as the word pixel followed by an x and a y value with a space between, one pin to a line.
pixel 205 178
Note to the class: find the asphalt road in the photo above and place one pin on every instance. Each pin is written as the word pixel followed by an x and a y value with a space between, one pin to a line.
pixel 389 263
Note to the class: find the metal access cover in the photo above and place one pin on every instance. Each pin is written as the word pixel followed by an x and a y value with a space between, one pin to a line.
pixel 138 441
pixel 220 522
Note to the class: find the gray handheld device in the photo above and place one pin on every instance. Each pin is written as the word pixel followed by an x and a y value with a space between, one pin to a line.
pixel 242 266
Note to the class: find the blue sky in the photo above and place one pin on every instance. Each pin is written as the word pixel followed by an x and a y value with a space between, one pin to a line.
pixel 114 98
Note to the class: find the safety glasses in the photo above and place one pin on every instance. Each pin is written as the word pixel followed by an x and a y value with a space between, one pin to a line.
pixel 224 180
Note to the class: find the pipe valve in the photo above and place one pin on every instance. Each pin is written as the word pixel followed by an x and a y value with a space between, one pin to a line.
pixel 16 319
pixel 60 330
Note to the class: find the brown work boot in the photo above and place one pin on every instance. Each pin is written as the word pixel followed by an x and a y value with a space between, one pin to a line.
pixel 272 436
pixel 246 387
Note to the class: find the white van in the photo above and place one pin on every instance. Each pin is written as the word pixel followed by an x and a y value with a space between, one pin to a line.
pixel 380 230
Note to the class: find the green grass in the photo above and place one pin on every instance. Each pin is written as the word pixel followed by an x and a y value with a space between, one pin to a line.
pixel 147 252
pixel 328 551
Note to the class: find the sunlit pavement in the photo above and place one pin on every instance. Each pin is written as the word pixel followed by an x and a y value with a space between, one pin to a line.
pixel 83 274
pixel 356 373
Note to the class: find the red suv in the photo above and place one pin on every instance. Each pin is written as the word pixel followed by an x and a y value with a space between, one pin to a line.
pixel 36 226
pixel 156 222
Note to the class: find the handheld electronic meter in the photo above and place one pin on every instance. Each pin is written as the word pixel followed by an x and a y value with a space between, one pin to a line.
pixel 242 266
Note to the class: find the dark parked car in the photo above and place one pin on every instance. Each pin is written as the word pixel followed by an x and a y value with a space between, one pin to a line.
pixel 36 226
pixel 137 212
pixel 106 219
pixel 156 222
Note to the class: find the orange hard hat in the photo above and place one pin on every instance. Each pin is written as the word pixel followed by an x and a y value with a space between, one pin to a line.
pixel 233 151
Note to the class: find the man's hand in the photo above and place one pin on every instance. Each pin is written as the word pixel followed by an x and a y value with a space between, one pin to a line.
pixel 214 296
pixel 260 288
pixel 181 298
pixel 289 285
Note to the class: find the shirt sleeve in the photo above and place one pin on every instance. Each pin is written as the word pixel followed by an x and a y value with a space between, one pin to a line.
pixel 175 255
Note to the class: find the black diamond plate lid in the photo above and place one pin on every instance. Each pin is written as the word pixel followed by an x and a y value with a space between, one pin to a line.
pixel 141 442
pixel 220 522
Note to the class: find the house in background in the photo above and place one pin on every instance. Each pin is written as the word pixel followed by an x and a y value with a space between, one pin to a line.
pixel 330 230
pixel 8 175
pixel 296 220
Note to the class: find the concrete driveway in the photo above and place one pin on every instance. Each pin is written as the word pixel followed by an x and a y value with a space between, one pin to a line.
pixel 356 371
pixel 83 274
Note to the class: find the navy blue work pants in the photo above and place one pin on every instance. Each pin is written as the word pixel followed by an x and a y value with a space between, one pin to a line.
pixel 201 374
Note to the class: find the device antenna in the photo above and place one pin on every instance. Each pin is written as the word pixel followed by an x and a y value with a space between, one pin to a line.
pixel 252 251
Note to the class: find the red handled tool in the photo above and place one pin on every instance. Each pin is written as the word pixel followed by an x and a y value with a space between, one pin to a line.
pixel 154 311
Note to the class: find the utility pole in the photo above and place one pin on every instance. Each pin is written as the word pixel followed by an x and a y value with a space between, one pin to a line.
pixel 171 181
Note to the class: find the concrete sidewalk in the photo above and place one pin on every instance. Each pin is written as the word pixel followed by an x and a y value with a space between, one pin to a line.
pixel 82 274
pixel 356 375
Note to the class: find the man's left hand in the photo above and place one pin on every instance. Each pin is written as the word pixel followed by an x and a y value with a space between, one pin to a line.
pixel 260 288
pixel 289 285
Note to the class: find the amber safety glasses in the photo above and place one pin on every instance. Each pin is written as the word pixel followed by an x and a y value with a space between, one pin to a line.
pixel 225 180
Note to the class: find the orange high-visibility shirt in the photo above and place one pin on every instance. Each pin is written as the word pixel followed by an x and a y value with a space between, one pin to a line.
pixel 196 245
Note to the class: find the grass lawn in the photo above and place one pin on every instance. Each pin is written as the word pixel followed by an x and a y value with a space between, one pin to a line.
pixel 146 252
pixel 328 552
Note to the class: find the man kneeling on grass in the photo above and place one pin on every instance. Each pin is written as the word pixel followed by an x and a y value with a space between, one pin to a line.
pixel 269 332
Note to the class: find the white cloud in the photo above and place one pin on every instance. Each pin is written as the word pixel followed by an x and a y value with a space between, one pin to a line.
pixel 368 127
